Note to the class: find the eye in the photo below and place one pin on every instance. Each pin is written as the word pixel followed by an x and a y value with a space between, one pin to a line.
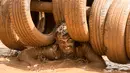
pixel 70 40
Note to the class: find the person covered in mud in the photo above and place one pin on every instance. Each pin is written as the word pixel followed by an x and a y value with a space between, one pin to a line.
pixel 64 47
pixel 72 49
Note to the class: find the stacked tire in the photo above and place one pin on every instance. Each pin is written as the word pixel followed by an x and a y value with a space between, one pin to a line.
pixel 107 27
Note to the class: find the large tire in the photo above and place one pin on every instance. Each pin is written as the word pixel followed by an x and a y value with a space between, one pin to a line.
pixel 97 18
pixel 58 11
pixel 24 26
pixel 8 36
pixel 76 19
pixel 114 37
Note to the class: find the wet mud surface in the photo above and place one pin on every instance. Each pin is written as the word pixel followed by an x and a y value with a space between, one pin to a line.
pixel 12 65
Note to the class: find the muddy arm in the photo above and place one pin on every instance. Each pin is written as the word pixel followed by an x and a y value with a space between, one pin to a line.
pixel 95 61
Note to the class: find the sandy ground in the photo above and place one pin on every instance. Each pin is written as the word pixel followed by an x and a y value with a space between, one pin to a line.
pixel 12 65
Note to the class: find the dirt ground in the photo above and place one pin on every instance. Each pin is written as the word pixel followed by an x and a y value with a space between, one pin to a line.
pixel 12 65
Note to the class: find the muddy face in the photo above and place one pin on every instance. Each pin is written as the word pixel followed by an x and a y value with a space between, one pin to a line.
pixel 66 44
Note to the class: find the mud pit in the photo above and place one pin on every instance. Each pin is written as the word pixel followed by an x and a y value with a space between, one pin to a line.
pixel 12 65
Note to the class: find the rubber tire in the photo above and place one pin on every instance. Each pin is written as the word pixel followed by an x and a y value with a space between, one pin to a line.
pixel 76 19
pixel 97 19
pixel 58 11
pixel 24 26
pixel 9 38
pixel 114 38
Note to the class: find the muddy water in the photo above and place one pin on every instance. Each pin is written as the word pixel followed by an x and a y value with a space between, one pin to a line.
pixel 111 67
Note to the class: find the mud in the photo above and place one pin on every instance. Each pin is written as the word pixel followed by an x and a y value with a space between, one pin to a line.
pixel 11 64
